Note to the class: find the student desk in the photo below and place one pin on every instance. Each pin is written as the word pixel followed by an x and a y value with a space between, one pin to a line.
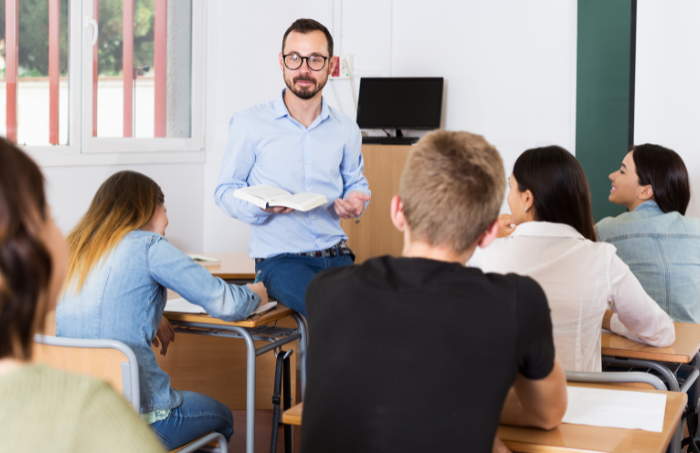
pixel 582 438
pixel 681 355
pixel 234 266
pixel 578 438
pixel 237 268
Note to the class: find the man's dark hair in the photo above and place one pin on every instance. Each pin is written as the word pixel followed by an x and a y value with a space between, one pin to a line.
pixel 664 170
pixel 305 26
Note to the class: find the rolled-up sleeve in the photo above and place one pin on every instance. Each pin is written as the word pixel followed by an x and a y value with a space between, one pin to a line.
pixel 239 159
pixel 636 316
pixel 352 166
pixel 177 271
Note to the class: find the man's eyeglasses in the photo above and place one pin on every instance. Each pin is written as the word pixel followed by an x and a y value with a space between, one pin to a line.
pixel 294 61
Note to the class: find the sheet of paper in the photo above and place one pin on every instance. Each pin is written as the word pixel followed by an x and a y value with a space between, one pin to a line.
pixel 182 306
pixel 615 409
pixel 265 308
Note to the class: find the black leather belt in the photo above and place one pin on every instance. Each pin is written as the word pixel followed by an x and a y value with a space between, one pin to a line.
pixel 339 249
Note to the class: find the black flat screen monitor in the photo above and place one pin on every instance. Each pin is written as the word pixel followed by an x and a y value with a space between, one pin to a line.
pixel 400 103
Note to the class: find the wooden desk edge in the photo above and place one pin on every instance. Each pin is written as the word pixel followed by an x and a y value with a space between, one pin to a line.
pixel 280 312
pixel 292 416
pixel 233 276
pixel 644 355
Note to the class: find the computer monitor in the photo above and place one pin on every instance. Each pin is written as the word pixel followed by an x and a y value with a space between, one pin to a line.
pixel 400 103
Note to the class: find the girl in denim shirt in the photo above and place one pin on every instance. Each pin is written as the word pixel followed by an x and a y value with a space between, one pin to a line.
pixel 657 241
pixel 120 267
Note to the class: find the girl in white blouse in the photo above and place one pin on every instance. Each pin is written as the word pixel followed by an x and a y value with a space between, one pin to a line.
pixel 554 242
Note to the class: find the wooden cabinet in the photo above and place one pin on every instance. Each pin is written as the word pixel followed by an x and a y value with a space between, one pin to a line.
pixel 373 234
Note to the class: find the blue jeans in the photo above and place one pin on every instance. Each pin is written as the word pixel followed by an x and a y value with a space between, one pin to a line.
pixel 196 416
pixel 286 276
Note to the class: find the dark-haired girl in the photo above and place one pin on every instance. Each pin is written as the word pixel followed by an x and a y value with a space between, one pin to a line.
pixel 659 243
pixel 554 242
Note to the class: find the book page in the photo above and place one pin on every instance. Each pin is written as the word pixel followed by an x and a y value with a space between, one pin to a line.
pixel 182 306
pixel 301 201
pixel 615 408
pixel 267 193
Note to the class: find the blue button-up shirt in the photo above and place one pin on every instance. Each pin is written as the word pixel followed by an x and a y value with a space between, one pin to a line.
pixel 267 146
pixel 124 296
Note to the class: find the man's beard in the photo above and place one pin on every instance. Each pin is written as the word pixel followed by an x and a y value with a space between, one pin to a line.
pixel 307 92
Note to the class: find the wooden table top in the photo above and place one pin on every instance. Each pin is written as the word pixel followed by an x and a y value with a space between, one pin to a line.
pixel 682 350
pixel 278 313
pixel 293 416
pixel 234 266
pixel 578 438
pixel 582 438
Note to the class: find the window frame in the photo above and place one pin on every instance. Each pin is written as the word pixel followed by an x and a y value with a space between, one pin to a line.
pixel 82 148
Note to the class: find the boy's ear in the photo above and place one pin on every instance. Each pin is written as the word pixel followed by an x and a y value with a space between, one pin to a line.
pixel 489 235
pixel 397 216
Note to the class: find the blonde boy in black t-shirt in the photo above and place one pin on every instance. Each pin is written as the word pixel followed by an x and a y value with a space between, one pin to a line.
pixel 420 353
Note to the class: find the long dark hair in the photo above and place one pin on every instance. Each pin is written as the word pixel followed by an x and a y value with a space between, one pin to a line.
pixel 664 170
pixel 559 186
pixel 25 261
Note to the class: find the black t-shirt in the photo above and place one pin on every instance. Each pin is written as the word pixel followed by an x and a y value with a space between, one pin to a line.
pixel 417 355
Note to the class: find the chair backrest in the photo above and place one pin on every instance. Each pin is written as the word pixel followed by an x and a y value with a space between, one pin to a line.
pixel 628 379
pixel 108 360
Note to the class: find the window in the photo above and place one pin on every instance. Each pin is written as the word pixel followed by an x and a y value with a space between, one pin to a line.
pixel 102 77
pixel 34 64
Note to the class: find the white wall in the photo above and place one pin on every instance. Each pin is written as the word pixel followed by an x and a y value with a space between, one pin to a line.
pixel 667 88
pixel 509 67
pixel 70 190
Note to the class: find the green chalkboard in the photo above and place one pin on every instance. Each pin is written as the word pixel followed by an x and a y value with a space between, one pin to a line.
pixel 604 93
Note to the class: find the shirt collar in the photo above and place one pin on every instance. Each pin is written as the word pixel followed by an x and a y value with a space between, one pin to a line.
pixel 280 109
pixel 547 229
pixel 648 206
pixel 279 106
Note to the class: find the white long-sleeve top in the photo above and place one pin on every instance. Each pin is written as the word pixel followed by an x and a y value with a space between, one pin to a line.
pixel 580 279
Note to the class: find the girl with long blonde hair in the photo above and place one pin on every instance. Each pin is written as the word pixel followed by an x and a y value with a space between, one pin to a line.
pixel 119 268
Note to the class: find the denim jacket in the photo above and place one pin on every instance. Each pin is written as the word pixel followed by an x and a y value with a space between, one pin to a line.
pixel 663 252
pixel 124 296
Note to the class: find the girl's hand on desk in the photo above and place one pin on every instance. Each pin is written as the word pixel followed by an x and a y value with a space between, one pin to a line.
pixel 165 334
pixel 260 290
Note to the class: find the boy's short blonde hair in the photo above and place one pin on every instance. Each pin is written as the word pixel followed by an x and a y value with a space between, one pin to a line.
pixel 452 189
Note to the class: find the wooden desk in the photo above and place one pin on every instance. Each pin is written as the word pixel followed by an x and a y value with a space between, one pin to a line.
pixel 683 350
pixel 578 438
pixel 582 438
pixel 234 266
pixel 260 339
pixel 293 416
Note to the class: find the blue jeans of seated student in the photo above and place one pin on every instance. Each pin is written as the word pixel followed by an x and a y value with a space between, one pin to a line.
pixel 287 276
pixel 196 416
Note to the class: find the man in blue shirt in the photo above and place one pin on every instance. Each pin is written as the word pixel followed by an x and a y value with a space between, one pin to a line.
pixel 300 144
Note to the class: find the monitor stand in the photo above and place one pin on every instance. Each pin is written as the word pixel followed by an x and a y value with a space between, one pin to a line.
pixel 399 133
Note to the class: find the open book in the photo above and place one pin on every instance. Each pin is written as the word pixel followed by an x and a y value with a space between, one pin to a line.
pixel 205 260
pixel 265 197
pixel 180 305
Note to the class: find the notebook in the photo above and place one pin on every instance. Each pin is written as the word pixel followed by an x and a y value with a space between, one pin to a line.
pixel 180 305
